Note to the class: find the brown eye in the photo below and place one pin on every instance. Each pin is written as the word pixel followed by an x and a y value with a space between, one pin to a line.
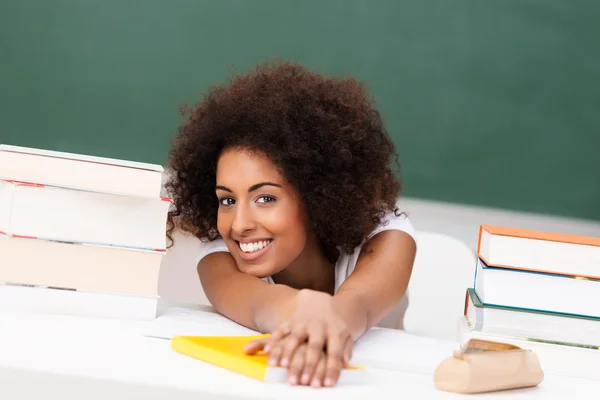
pixel 265 199
pixel 226 201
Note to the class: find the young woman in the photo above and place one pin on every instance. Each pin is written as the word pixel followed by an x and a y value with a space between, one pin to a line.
pixel 287 176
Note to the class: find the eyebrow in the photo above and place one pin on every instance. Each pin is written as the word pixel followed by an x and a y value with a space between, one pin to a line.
pixel 251 189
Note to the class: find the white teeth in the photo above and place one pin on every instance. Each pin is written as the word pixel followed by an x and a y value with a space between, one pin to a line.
pixel 254 246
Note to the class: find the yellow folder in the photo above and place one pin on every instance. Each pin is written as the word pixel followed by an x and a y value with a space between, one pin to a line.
pixel 228 352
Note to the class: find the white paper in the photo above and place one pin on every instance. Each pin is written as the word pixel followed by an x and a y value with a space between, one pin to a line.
pixel 382 348
pixel 398 350
pixel 179 321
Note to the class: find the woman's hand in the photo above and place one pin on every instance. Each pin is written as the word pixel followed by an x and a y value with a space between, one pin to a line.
pixel 314 343
pixel 297 365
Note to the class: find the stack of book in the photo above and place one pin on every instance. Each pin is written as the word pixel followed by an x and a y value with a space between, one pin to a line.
pixel 80 235
pixel 533 286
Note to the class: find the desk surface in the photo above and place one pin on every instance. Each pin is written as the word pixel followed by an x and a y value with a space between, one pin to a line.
pixel 95 358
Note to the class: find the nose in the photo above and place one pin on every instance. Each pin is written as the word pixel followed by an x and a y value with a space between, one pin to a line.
pixel 243 221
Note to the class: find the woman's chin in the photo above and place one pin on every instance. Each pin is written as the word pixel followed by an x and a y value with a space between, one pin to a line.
pixel 261 270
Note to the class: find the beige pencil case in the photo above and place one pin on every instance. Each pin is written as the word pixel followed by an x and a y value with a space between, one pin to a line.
pixel 485 366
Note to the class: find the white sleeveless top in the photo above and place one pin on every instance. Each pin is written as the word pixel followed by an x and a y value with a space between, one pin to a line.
pixel 346 262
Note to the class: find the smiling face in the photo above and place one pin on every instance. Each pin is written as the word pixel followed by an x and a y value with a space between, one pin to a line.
pixel 260 217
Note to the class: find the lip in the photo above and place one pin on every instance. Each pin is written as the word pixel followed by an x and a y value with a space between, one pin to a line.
pixel 253 240
pixel 256 254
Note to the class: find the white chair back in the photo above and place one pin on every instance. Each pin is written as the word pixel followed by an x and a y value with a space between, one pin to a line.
pixel 442 272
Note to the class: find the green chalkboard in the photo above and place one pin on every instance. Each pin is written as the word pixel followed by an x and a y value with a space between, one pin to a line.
pixel 490 102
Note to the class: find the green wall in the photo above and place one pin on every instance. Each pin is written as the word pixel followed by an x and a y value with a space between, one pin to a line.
pixel 490 102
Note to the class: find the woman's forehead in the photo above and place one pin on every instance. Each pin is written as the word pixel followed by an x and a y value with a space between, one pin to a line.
pixel 243 167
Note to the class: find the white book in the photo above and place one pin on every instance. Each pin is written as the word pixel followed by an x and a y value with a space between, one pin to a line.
pixel 80 171
pixel 519 322
pixel 48 212
pixel 79 266
pixel 537 291
pixel 531 250
pixel 77 303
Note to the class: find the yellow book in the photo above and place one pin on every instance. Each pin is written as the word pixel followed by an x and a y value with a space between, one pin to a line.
pixel 228 352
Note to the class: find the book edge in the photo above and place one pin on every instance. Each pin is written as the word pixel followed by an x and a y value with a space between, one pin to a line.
pixel 82 158
pixel 536 311
pixel 34 288
pixel 516 268
pixel 540 235
pixel 161 251
pixel 16 183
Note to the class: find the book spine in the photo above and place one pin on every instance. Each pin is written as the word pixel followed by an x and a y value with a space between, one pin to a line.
pixel 479 240
pixel 475 323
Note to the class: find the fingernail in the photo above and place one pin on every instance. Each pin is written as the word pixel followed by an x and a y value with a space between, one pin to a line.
pixel 328 382
pixel 266 348
pixel 316 383
pixel 284 362
pixel 305 378
pixel 292 380
pixel 272 361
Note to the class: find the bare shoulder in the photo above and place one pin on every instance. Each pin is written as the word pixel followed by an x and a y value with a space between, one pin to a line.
pixel 392 243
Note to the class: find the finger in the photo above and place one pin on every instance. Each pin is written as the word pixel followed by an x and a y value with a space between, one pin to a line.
pixel 278 334
pixel 281 351
pixel 319 375
pixel 316 342
pixel 275 348
pixel 282 331
pixel 296 364
pixel 348 348
pixel 335 353
pixel 290 344
pixel 255 346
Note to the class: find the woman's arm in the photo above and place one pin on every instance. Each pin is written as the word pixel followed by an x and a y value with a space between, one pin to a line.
pixel 376 285
pixel 300 317
pixel 243 298
pixel 379 280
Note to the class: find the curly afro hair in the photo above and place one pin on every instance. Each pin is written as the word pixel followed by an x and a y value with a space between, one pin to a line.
pixel 324 135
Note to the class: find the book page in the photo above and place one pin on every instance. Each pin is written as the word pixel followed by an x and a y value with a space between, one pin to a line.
pixel 398 350
pixel 179 321
pixel 381 348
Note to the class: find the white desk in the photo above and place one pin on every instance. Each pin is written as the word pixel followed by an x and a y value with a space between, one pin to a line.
pixel 71 357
